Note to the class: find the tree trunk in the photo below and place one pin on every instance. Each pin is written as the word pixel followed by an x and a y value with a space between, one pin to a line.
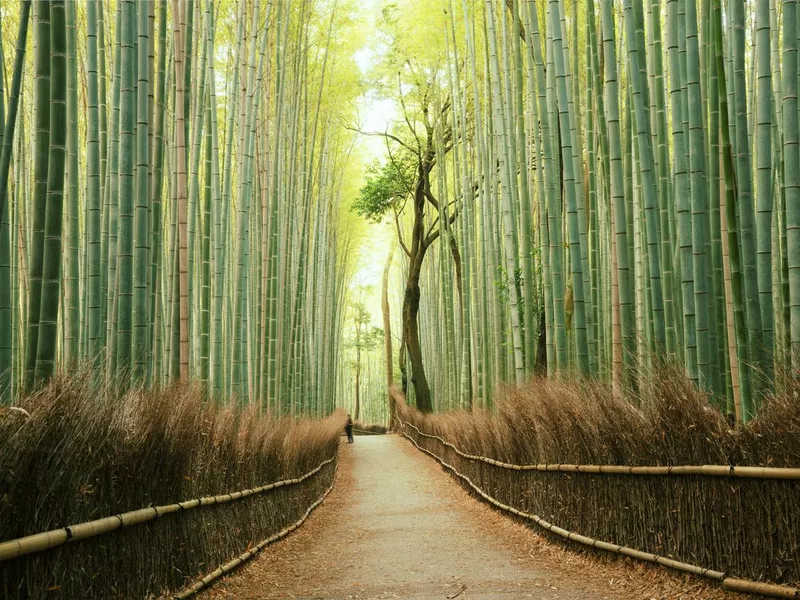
pixel 457 264
pixel 357 409
pixel 387 337
pixel 412 342
pixel 416 256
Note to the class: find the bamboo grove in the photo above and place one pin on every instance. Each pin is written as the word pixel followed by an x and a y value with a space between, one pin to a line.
pixel 170 186
pixel 616 183
pixel 579 188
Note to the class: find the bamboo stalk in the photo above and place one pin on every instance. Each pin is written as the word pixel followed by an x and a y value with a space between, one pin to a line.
pixel 757 587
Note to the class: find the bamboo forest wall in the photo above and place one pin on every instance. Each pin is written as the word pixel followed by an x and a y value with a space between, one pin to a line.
pixel 616 184
pixel 171 193
pixel 574 188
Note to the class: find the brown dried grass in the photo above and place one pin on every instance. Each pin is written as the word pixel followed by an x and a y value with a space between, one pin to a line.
pixel 368 427
pixel 746 528
pixel 85 454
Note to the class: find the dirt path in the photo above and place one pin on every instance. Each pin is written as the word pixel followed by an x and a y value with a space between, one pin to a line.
pixel 395 526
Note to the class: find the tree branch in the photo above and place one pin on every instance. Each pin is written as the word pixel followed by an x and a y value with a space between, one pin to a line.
pixel 384 135
pixel 405 114
pixel 510 5
pixel 407 187
pixel 430 229
pixel 431 237
pixel 400 233
pixel 431 198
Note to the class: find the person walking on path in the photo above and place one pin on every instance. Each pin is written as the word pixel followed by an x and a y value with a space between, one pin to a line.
pixel 348 429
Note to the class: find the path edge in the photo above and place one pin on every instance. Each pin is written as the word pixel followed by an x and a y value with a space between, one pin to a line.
pixel 246 556
pixel 728 583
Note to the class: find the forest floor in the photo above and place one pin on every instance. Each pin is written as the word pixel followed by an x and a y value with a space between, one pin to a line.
pixel 395 526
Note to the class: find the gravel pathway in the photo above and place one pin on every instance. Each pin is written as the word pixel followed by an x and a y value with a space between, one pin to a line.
pixel 395 526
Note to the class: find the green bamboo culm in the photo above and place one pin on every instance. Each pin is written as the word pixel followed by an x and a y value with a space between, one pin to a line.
pixel 501 144
pixel 570 190
pixel 51 273
pixel 727 132
pixel 156 190
pixel 141 222
pixel 791 157
pixel 6 145
pixel 699 202
pixel 94 292
pixel 621 233
pixel 71 283
pixel 764 183
pixel 110 234
pixel 41 159
pixel 744 188
pixel 644 154
pixel 5 261
pixel 682 197
pixel 127 186
pixel 137 265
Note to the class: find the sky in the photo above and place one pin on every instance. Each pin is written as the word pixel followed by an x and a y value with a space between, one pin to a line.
pixel 375 114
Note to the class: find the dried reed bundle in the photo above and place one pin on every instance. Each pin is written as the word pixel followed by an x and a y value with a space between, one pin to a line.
pixel 84 454
pixel 746 527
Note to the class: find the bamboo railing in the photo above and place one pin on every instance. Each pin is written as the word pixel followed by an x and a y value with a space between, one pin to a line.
pixel 728 583
pixel 365 432
pixel 247 555
pixel 743 472
pixel 46 540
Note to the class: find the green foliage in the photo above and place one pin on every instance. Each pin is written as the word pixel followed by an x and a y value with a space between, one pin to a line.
pixel 412 31
pixel 366 338
pixel 361 316
pixel 373 338
pixel 387 187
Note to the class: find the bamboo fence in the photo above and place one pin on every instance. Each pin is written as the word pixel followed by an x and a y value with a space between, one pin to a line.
pixel 247 555
pixel 365 432
pixel 727 582
pixel 744 472
pixel 46 540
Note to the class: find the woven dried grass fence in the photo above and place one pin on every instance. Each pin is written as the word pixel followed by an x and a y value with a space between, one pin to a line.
pixel 82 456
pixel 47 540
pixel 739 526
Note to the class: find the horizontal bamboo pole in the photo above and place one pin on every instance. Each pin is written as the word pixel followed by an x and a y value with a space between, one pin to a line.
pixel 364 431
pixel 731 583
pixel 757 587
pixel 39 542
pixel 741 472
pixel 244 557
